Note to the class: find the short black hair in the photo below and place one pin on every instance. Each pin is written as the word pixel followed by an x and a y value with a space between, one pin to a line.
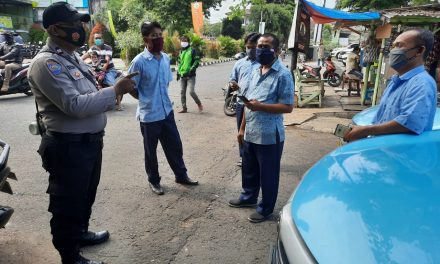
pixel 147 27
pixel 424 38
pixel 356 48
pixel 275 40
pixel 185 37
pixel 252 37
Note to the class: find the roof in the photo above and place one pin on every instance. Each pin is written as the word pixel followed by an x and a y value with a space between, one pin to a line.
pixel 322 15
pixel 412 15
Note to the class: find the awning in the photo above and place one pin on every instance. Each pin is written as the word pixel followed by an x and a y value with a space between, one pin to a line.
pixel 323 15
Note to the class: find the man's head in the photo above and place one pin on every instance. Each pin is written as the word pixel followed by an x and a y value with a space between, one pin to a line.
pixel 410 49
pixel 267 48
pixel 97 38
pixel 250 42
pixel 356 50
pixel 9 37
pixel 362 44
pixel 152 36
pixel 63 22
pixel 184 41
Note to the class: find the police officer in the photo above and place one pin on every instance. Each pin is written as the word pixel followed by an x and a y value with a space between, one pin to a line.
pixel 73 114
pixel 10 58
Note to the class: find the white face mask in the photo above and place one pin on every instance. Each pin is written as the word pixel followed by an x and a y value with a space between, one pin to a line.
pixel 184 44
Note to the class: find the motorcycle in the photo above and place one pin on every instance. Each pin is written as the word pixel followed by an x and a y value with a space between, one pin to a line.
pixel 310 72
pixel 333 79
pixel 230 105
pixel 19 82
pixel 5 173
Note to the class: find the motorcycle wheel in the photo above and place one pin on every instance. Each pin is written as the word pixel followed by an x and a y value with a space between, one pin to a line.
pixel 334 80
pixel 27 88
pixel 230 106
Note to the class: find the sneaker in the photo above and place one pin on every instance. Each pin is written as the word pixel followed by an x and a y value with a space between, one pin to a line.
pixel 239 162
pixel 200 108
pixel 156 188
pixel 237 203
pixel 183 111
pixel 258 218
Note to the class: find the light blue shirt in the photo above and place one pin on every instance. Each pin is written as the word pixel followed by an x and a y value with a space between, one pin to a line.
pixel 152 86
pixel 241 73
pixel 410 100
pixel 274 87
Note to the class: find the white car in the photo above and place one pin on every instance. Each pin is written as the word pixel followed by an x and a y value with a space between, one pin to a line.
pixel 338 52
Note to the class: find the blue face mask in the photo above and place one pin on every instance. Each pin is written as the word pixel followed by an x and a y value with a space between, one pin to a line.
pixel 99 42
pixel 265 56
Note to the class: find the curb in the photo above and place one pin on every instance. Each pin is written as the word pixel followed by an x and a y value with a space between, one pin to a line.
pixel 215 62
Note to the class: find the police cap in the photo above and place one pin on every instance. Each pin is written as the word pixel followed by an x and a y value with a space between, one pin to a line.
pixel 62 12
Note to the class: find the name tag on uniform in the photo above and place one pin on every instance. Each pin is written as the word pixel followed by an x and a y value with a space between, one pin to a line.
pixel 74 72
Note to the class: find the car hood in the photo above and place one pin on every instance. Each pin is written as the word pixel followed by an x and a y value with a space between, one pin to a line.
pixel 376 200
pixel 366 117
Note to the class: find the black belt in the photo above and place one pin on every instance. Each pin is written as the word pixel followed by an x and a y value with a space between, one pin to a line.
pixel 85 137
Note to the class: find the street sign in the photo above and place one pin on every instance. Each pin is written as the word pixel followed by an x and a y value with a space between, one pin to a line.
pixel 6 22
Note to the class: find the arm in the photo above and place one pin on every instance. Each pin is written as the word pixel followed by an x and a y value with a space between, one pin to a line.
pixel 195 60
pixel 12 54
pixel 135 66
pixel 391 127
pixel 240 136
pixel 63 92
pixel 85 55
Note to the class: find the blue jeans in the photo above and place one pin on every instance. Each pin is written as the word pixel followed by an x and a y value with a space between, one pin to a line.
pixel 166 132
pixel 261 168
pixel 110 77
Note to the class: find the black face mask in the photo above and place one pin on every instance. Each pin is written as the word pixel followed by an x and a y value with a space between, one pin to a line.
pixel 75 36
pixel 9 40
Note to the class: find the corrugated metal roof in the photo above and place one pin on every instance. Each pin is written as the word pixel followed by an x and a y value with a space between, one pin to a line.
pixel 417 11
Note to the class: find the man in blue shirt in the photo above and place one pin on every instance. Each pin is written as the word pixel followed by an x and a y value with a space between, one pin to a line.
pixel 155 111
pixel 270 94
pixel 241 76
pixel 408 104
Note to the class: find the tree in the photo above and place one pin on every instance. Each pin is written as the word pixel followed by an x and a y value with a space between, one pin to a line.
pixel 368 5
pixel 232 27
pixel 212 30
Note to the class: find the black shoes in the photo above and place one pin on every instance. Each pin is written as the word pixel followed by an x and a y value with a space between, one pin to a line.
pixel 258 218
pixel 237 203
pixel 83 260
pixel 156 188
pixel 93 238
pixel 187 181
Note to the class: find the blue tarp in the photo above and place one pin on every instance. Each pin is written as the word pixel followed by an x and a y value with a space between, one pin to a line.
pixel 322 15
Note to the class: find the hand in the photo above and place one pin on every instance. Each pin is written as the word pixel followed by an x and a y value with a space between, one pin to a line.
pixel 234 85
pixel 124 85
pixel 357 132
pixel 240 137
pixel 253 105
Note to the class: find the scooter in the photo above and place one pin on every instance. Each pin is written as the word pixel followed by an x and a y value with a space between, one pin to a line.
pixel 230 106
pixel 19 82
pixel 330 75
pixel 308 71
pixel 5 173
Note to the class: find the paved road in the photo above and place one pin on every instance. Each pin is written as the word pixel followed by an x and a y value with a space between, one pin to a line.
pixel 187 224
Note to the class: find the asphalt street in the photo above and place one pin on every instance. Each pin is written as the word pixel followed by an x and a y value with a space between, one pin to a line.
pixel 187 224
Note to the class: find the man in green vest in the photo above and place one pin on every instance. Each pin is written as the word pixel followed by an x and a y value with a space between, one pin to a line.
pixel 188 61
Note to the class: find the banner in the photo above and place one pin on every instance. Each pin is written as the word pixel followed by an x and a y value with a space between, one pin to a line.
pixel 197 17
pixel 303 30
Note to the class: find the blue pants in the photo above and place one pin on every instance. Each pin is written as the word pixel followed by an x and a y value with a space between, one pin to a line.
pixel 239 114
pixel 261 168
pixel 166 132
pixel 110 77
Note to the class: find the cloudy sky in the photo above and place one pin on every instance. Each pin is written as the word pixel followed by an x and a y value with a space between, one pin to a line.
pixel 218 15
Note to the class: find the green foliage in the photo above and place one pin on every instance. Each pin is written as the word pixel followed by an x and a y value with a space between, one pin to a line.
pixel 228 47
pixel 212 49
pixel 37 34
pixel 369 5
pixel 197 42
pixel 232 27
pixel 131 44
pixel 278 18
pixel 212 30
pixel 420 2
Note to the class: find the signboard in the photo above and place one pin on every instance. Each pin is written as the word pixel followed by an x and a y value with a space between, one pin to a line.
pixel 6 22
pixel 197 17
pixel 299 38
pixel 75 3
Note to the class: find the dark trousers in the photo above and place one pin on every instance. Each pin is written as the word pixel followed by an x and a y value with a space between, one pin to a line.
pixel 239 114
pixel 166 132
pixel 261 168
pixel 74 166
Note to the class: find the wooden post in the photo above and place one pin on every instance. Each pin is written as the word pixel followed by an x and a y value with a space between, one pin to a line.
pixel 379 69
pixel 365 86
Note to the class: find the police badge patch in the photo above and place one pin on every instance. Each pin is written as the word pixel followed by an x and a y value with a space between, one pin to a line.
pixel 54 67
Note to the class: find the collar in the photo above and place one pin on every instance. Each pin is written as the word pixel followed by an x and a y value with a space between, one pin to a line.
pixel 276 65
pixel 54 47
pixel 148 55
pixel 411 73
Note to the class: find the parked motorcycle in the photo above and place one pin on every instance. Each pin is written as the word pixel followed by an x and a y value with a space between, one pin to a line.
pixel 333 79
pixel 230 101
pixel 19 82
pixel 5 173
pixel 308 71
